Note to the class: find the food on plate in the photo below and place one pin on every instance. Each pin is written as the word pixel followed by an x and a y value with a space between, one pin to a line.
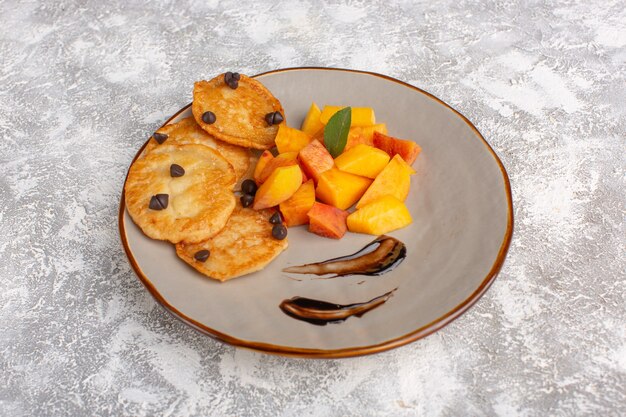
pixel 327 221
pixel 187 132
pixel 315 159
pixel 243 246
pixel 182 187
pixel 361 116
pixel 394 179
pixel 289 139
pixel 246 115
pixel 407 149
pixel 341 189
pixel 191 207
pixel 280 160
pixel 262 162
pixel 312 123
pixel 362 160
pixel 279 186
pixel 295 209
pixel 380 216
pixel 364 135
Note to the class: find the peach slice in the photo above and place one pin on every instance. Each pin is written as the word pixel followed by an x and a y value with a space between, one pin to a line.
pixel 407 149
pixel 265 157
pixel 341 189
pixel 289 139
pixel 364 134
pixel 280 160
pixel 380 216
pixel 295 209
pixel 327 221
pixel 312 124
pixel 315 159
pixel 362 160
pixel 361 116
pixel 278 187
pixel 394 179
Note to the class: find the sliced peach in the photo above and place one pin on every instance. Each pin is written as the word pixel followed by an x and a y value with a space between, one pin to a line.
pixel 265 157
pixel 394 179
pixel 407 149
pixel 315 159
pixel 312 124
pixel 327 221
pixel 289 139
pixel 295 209
pixel 364 134
pixel 278 187
pixel 341 189
pixel 361 116
pixel 362 160
pixel 280 160
pixel 380 216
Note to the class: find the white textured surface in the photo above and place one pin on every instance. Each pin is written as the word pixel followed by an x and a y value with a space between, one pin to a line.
pixel 82 84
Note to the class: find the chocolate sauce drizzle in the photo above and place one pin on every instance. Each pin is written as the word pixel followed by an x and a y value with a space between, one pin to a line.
pixel 376 258
pixel 321 313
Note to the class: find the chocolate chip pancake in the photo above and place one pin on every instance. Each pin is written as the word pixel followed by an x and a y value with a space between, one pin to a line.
pixel 187 132
pixel 238 110
pixel 243 246
pixel 180 192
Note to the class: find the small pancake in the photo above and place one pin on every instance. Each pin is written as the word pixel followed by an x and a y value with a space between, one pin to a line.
pixel 187 132
pixel 239 113
pixel 243 246
pixel 199 202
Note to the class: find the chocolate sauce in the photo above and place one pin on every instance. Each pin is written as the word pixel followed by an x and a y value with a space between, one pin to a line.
pixel 321 313
pixel 376 258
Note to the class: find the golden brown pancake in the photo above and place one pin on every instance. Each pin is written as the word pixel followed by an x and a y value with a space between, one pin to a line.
pixel 198 203
pixel 239 113
pixel 243 246
pixel 187 132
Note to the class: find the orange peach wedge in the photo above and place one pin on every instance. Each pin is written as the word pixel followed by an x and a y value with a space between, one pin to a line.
pixel 327 221
pixel 265 157
pixel 315 159
pixel 361 116
pixel 278 187
pixel 362 160
pixel 281 160
pixel 394 179
pixel 407 149
pixel 312 124
pixel 295 209
pixel 380 216
pixel 341 189
pixel 364 134
pixel 289 139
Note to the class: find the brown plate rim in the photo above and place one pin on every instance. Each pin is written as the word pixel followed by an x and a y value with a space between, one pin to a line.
pixel 351 351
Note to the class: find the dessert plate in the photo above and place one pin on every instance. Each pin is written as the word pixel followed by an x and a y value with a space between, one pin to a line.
pixel 460 201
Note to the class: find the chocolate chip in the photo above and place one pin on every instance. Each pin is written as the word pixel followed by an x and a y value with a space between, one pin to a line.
pixel 276 218
pixel 232 79
pixel 202 255
pixel 159 201
pixel 159 137
pixel 248 187
pixel 279 231
pixel 208 117
pixel 176 170
pixel 274 118
pixel 246 200
pixel 278 118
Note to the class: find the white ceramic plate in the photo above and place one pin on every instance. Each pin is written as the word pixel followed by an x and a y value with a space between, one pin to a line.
pixel 460 201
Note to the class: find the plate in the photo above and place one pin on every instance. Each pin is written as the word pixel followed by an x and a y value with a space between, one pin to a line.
pixel 462 212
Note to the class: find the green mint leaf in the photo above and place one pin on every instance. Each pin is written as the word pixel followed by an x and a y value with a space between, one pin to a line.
pixel 336 131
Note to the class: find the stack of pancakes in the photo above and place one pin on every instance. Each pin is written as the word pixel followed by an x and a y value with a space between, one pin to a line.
pixel 182 187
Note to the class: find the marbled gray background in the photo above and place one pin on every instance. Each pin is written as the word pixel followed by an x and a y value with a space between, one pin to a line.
pixel 83 83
